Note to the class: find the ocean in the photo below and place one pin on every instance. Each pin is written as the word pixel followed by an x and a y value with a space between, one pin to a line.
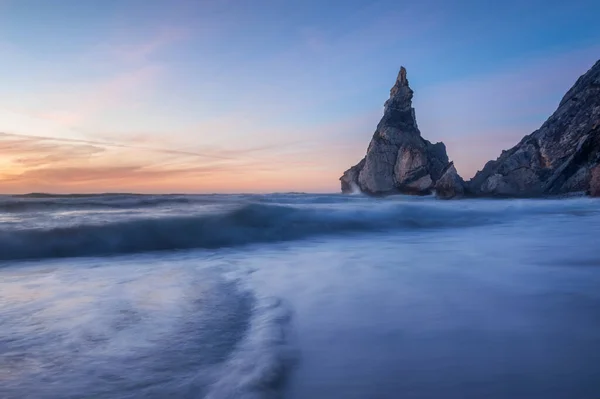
pixel 298 296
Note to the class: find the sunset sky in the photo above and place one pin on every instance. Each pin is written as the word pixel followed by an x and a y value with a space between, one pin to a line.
pixel 261 96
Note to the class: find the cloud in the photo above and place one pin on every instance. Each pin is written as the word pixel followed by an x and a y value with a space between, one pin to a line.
pixel 76 175
pixel 21 143
pixel 22 149
pixel 64 164
pixel 32 163
pixel 89 100
pixel 22 154
pixel 116 72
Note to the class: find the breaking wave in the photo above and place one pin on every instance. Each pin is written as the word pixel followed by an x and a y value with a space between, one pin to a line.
pixel 47 202
pixel 259 223
pixel 55 202
pixel 246 224
pixel 258 366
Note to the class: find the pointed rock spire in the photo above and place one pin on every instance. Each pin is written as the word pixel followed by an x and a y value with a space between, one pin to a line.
pixel 402 77
pixel 401 82
pixel 398 158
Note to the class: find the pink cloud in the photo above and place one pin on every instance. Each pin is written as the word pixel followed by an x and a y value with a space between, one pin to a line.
pixel 74 103
pixel 83 102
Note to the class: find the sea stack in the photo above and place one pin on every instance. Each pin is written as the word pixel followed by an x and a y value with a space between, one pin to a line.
pixel 398 159
pixel 561 157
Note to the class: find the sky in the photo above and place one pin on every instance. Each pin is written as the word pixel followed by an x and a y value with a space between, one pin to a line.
pixel 194 96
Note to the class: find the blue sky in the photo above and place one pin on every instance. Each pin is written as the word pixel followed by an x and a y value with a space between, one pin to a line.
pixel 230 96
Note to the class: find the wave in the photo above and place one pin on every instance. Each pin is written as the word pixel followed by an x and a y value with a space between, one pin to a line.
pixel 51 195
pixel 80 201
pixel 40 202
pixel 260 223
pixel 259 364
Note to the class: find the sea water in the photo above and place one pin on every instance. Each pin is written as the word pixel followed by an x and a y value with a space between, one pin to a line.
pixel 298 296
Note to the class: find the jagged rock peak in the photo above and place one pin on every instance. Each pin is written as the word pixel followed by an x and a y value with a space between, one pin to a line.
pixel 398 159
pixel 401 80
pixel 400 94
pixel 402 77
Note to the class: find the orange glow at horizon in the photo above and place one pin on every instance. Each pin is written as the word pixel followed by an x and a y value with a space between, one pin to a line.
pixel 31 164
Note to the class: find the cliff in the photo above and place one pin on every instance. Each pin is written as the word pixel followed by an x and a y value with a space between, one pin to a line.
pixel 562 156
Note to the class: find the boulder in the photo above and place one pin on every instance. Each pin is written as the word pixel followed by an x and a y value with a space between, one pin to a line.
pixel 450 185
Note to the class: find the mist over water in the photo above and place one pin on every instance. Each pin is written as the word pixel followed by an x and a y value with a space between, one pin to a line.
pixel 298 296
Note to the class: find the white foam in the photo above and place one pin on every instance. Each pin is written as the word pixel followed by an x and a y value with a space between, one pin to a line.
pixel 259 364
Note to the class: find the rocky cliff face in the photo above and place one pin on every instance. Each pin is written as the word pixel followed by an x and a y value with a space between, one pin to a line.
pixel 595 182
pixel 398 159
pixel 558 158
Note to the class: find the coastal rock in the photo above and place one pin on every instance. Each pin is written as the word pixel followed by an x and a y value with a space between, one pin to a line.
pixel 398 159
pixel 349 184
pixel 559 157
pixel 450 185
pixel 595 182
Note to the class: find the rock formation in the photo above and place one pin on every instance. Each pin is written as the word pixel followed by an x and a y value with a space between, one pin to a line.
pixel 450 185
pixel 559 157
pixel 398 159
pixel 595 182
